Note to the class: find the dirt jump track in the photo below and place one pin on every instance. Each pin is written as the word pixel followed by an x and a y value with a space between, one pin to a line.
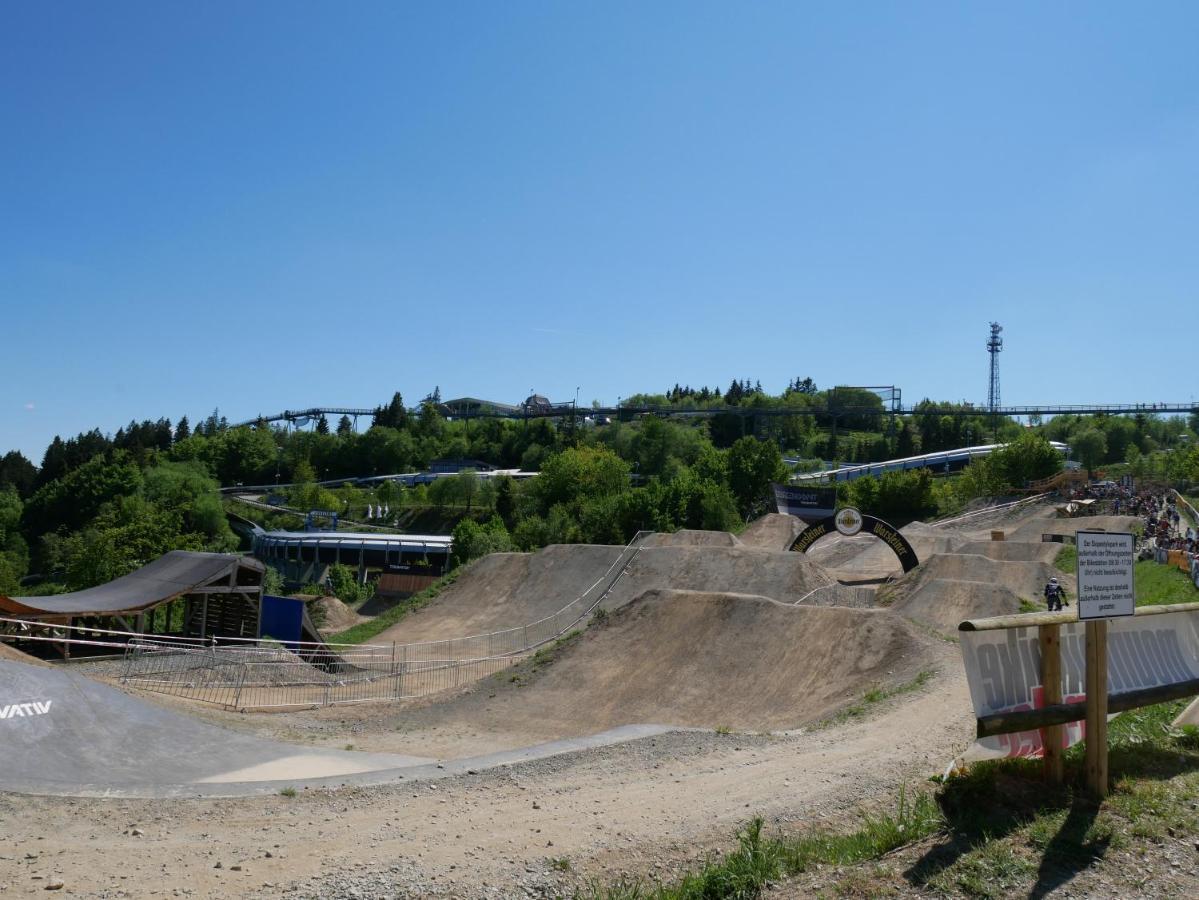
pixel 505 590
pixel 697 659
pixel 687 706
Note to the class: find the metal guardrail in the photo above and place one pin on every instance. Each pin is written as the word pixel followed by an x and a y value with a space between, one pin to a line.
pixel 268 674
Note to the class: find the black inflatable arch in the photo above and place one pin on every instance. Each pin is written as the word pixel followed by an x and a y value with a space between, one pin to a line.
pixel 870 525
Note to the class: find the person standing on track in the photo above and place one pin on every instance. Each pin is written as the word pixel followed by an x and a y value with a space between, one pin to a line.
pixel 1055 595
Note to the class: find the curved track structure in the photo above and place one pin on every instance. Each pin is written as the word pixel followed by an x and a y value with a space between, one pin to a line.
pixel 944 461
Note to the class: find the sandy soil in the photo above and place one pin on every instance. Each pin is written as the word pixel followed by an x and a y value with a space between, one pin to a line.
pixel 644 807
pixel 641 807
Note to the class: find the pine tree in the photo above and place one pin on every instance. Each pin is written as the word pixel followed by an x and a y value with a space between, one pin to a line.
pixel 344 425
pixel 322 425
pixel 183 430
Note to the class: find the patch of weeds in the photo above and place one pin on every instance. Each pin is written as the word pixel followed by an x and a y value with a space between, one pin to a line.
pixel 349 747
pixel 546 655
pixel 288 792
pixel 723 729
pixel 992 871
pixel 601 616
pixel 1028 606
pixel 758 859
pixel 560 863
pixel 1066 559
pixel 875 695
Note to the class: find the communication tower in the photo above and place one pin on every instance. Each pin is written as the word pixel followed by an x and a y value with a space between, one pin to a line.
pixel 994 347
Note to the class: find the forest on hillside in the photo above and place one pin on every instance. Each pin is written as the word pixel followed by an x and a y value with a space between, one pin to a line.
pixel 100 505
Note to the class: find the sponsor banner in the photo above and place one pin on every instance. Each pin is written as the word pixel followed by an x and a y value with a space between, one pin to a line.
pixel 807 503
pixel 1003 668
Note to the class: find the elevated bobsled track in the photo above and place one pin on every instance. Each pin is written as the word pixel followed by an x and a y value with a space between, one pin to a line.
pixel 61 733
pixel 565 410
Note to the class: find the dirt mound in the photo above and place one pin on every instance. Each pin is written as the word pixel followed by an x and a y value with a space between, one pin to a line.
pixel 945 603
pixel 1013 551
pixel 692 538
pixel 700 659
pixel 950 587
pixel 1024 579
pixel 780 575
pixel 336 615
pixel 506 590
pixel 773 531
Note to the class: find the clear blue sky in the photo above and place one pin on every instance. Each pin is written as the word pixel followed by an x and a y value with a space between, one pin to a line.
pixel 257 206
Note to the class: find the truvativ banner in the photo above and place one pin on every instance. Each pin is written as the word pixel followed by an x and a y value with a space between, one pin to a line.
pixel 807 503
pixel 1003 668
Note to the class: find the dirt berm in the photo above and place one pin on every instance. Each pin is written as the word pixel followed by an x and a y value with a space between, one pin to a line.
pixel 507 590
pixel 698 659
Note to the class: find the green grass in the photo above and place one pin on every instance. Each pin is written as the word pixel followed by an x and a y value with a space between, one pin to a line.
pixel 996 831
pixel 1028 606
pixel 1158 584
pixel 288 792
pixel 364 631
pixel 875 696
pixel 760 859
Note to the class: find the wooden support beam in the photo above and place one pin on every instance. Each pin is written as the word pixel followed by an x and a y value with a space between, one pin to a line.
pixel 1051 684
pixel 1096 737
pixel 1028 620
pixel 1032 719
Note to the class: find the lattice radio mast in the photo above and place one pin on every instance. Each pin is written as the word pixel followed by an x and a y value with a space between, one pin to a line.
pixel 994 347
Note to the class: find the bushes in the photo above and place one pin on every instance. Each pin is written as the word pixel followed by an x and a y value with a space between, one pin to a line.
pixel 472 540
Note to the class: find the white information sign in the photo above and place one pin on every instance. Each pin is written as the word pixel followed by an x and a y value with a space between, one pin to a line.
pixel 1105 574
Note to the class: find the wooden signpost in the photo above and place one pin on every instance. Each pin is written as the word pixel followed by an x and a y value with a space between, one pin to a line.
pixel 1106 590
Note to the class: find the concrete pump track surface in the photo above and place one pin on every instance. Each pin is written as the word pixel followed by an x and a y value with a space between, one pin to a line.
pixel 705 692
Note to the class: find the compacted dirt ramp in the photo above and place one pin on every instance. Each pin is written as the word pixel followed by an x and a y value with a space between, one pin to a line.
pixel 693 659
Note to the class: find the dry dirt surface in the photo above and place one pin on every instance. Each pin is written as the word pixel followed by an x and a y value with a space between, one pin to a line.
pixel 647 807
pixel 702 632
pixel 773 531
pixel 505 590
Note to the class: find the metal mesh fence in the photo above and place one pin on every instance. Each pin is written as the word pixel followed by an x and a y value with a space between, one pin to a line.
pixel 266 674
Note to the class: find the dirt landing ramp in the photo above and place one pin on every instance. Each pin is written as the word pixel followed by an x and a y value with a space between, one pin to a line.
pixel 695 659
pixel 63 734
pixel 773 531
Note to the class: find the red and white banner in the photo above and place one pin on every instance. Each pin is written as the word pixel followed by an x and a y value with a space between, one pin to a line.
pixel 1003 668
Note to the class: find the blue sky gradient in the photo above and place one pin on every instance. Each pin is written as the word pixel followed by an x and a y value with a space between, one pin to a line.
pixel 276 205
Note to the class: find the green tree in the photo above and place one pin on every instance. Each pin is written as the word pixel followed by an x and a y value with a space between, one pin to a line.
pixel 472 540
pixel 754 466
pixel 1091 446
pixel 1028 458
pixel 505 501
pixel 322 425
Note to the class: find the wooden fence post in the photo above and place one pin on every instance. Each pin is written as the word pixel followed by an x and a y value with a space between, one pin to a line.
pixel 1051 686
pixel 1096 750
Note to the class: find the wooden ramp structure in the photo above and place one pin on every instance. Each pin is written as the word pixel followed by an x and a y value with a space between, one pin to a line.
pixel 196 595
